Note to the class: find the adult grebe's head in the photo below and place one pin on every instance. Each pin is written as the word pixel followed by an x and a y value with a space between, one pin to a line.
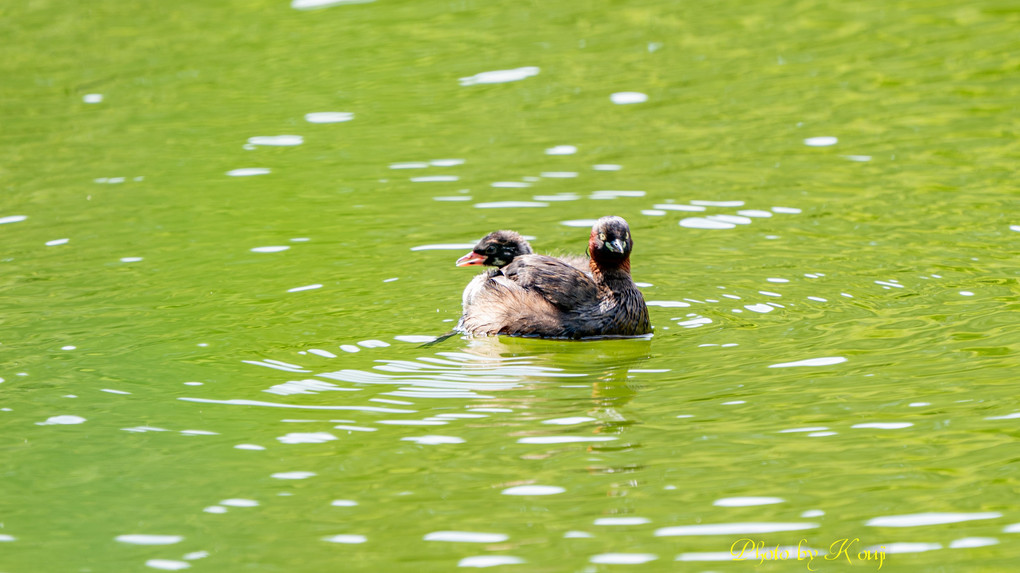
pixel 610 242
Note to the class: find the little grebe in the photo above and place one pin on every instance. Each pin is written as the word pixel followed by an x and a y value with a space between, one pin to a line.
pixel 498 249
pixel 536 295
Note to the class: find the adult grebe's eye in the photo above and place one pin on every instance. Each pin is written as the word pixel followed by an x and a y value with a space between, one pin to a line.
pixel 490 250
pixel 602 237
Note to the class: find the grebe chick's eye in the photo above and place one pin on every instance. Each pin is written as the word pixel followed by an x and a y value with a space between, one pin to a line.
pixel 490 250
pixel 602 236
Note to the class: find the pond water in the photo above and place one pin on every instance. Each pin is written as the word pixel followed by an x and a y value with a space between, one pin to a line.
pixel 227 228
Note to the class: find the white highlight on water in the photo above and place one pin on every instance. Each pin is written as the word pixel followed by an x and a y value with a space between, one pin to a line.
pixel 533 490
pixel 489 561
pixel 561 150
pixel 568 421
pixel 199 433
pixel 500 76
pixel 624 98
pixel 346 538
pixel 434 178
pixel 433 440
pixel 248 171
pixel 415 338
pixel 510 205
pixel 446 162
pixel 746 501
pixel 823 141
pixel 731 528
pixel 167 564
pixel 1012 416
pixel 611 194
pixel 675 207
pixel 143 539
pixel 306 438
pixel 510 184
pixel 61 421
pixel 795 430
pixel 883 425
pixel 315 4
pixel 293 475
pixel 466 536
pixel 239 502
pixel 718 203
pixel 735 219
pixel 703 223
pixel 932 518
pixel 557 197
pixel 564 439
pixel 825 361
pixel 579 222
pixel 968 542
pixel 623 558
pixel 328 117
pixel 622 521
pixel 373 344
pixel 276 140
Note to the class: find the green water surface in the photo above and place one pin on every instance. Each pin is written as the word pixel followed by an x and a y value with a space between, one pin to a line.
pixel 835 358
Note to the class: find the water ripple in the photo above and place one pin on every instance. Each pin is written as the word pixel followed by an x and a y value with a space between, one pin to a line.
pixel 466 537
pixel 296 406
pixel 935 518
pixel 500 76
pixel 731 528
pixel 489 561
pixel 143 539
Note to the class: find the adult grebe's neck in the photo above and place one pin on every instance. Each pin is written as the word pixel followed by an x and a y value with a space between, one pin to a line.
pixel 612 275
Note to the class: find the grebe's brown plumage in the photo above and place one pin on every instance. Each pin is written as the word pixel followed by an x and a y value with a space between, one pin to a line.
pixel 536 295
